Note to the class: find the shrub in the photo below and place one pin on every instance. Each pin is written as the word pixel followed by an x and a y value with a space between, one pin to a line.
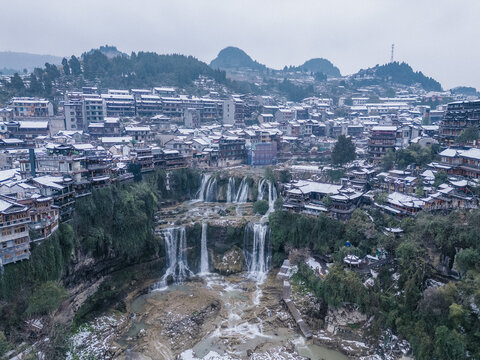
pixel 260 207
pixel 45 298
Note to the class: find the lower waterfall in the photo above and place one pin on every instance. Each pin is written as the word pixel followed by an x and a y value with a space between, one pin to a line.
pixel 176 251
pixel 258 252
pixel 204 251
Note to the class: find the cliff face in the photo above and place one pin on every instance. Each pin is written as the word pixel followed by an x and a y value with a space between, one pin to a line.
pixel 220 240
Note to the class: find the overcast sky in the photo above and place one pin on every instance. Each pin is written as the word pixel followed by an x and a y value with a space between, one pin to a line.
pixel 438 37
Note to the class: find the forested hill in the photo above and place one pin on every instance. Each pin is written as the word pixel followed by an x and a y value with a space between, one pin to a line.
pixel 320 65
pixel 400 73
pixel 235 58
pixel 142 69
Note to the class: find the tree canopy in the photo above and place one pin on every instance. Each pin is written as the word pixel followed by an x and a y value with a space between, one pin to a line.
pixel 343 151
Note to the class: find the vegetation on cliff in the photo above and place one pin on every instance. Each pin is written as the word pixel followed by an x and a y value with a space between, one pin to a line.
pixel 115 224
pixel 440 322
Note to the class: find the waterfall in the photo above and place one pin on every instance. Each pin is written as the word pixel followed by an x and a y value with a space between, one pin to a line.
pixel 211 191
pixel 272 196
pixel 176 251
pixel 242 193
pixel 204 250
pixel 203 185
pixel 208 189
pixel 258 259
pixel 230 189
pixel 261 189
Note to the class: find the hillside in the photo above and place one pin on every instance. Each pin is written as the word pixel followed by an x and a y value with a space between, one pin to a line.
pixel 400 73
pixel 322 66
pixel 235 58
pixel 10 60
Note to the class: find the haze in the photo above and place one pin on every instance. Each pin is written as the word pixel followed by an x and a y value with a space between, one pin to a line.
pixel 436 37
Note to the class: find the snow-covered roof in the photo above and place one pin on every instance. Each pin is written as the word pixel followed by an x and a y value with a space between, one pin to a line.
pixel 306 186
pixel 401 200
pixel 33 124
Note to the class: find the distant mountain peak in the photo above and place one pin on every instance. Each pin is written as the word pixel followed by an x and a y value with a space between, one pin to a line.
pixel 17 61
pixel 234 58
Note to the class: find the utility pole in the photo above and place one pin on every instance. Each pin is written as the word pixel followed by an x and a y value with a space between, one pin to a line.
pixel 391 57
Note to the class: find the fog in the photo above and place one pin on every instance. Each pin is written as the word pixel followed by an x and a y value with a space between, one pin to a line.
pixel 437 37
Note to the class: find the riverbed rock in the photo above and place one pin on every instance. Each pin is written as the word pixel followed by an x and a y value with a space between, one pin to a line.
pixel 232 262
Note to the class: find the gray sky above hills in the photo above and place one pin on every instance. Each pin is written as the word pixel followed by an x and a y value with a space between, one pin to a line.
pixel 438 37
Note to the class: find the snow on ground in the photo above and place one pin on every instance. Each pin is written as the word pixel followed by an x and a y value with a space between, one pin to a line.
pixel 92 339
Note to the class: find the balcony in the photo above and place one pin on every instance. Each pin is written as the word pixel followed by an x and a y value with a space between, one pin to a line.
pixel 14 222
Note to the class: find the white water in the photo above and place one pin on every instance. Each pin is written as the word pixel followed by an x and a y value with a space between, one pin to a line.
pixel 204 250
pixel 242 193
pixel 230 189
pixel 211 191
pixel 272 197
pixel 258 259
pixel 176 248
pixel 261 189
pixel 203 185
pixel 208 189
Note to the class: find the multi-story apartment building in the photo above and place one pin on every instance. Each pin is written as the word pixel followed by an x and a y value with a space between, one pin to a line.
pixel 149 105
pixel 93 110
pixel 172 107
pixel 164 91
pixel 382 138
pixel 191 118
pixel 459 116
pixel 61 190
pixel 283 116
pixel 138 133
pixel 231 151
pixel 262 153
pixel 27 107
pixel 118 104
pixel 44 216
pixel 233 111
pixel 74 116
pixel 14 237
pixel 459 162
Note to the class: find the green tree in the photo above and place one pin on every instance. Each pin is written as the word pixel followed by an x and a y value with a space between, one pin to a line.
pixel 467 259
pixel 75 66
pixel 420 192
pixel 16 84
pixel 285 176
pixel 388 160
pixel 5 346
pixel 66 67
pixel 343 151
pixel 260 207
pixel 441 177
pixel 449 344
pixel 468 135
pixel 45 299
pixel 136 170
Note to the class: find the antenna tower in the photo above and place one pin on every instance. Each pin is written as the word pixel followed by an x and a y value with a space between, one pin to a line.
pixel 391 57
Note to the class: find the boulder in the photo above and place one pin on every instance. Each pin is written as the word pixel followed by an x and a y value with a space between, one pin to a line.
pixel 232 261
